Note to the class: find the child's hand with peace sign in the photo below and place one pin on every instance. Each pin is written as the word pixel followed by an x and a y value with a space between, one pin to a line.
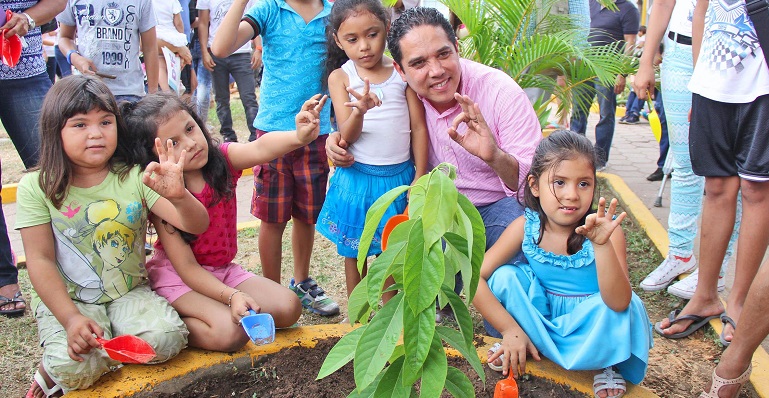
pixel 365 100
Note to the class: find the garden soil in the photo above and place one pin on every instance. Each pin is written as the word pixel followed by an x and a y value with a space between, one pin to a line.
pixel 291 373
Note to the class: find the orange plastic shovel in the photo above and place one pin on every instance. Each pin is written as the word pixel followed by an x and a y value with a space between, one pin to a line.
pixel 391 224
pixel 506 388
pixel 127 349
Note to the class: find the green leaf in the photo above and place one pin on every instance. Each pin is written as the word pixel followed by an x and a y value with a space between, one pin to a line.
pixel 342 353
pixel 461 314
pixel 391 384
pixel 358 307
pixel 421 328
pixel 455 339
pixel 373 218
pixel 397 353
pixel 382 266
pixel 369 391
pixel 477 240
pixel 434 371
pixel 442 200
pixel 423 271
pixel 417 196
pixel 458 384
pixel 378 342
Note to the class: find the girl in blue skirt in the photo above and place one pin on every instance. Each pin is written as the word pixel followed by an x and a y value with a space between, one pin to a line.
pixel 379 117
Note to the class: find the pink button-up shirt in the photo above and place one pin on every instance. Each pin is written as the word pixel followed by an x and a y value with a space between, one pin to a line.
pixel 510 117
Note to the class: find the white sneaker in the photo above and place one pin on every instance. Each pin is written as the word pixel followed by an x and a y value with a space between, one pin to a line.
pixel 685 287
pixel 670 268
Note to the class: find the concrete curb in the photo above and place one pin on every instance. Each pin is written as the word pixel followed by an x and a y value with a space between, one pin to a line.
pixel 133 380
pixel 759 378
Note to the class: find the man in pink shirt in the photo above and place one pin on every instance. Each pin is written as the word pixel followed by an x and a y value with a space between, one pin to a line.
pixel 477 117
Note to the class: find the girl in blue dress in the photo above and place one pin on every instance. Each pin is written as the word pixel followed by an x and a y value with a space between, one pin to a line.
pixel 572 302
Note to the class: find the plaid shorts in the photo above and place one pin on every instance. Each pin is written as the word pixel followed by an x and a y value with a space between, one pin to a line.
pixel 292 186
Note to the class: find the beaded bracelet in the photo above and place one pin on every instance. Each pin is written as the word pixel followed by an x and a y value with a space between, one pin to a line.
pixel 229 300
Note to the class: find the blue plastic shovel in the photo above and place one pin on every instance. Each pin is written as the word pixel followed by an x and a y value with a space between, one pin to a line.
pixel 260 328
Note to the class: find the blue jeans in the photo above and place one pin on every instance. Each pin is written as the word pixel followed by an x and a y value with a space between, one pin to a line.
pixel 604 130
pixel 20 106
pixel 239 66
pixel 634 105
pixel 685 187
pixel 203 91
pixel 61 61
pixel 19 111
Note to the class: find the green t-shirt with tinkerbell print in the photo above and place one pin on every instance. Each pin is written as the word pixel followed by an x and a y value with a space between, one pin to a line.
pixel 99 233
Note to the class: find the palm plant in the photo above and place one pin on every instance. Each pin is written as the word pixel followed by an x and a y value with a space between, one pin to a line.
pixel 532 45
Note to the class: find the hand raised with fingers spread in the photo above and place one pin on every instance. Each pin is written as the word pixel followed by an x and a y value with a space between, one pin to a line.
pixel 477 139
pixel 600 225
pixel 365 100
pixel 308 119
pixel 167 176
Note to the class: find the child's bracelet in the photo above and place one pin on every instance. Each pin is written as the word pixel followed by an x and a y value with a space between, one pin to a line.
pixel 229 300
pixel 221 294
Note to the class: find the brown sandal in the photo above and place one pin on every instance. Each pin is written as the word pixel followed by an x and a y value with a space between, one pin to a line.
pixel 718 382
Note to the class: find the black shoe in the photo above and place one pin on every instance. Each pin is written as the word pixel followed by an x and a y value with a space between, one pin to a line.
pixel 622 119
pixel 632 119
pixel 230 138
pixel 656 176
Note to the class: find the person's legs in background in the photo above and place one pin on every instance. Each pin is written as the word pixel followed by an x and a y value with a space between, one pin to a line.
pixel 604 130
pixel 578 122
pixel 203 89
pixel 241 71
pixel 664 139
pixel 61 61
pixel 19 114
pixel 220 81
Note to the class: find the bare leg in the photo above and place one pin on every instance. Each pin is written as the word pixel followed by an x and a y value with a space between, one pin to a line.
pixel 751 246
pixel 754 327
pixel 210 323
pixel 162 72
pixel 270 249
pixel 302 240
pixel 718 212
pixel 351 275
pixel 274 299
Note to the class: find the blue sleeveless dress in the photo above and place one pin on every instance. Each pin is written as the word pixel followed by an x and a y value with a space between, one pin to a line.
pixel 555 299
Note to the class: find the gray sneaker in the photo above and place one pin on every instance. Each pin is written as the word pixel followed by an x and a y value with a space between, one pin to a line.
pixel 314 298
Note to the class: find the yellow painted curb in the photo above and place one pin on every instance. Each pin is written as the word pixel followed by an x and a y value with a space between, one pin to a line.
pixel 133 379
pixel 9 193
pixel 759 378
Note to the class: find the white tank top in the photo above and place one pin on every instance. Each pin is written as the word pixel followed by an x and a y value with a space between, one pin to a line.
pixel 386 135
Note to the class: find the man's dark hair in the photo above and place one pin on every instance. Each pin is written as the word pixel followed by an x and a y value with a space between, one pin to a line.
pixel 411 19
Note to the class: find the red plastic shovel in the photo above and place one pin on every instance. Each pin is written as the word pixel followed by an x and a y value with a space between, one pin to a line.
pixel 506 388
pixel 127 349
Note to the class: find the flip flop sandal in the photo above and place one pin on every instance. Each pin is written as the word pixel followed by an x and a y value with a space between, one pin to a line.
pixel 609 379
pixel 726 319
pixel 697 323
pixel 494 348
pixel 719 382
pixel 17 298
pixel 41 383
